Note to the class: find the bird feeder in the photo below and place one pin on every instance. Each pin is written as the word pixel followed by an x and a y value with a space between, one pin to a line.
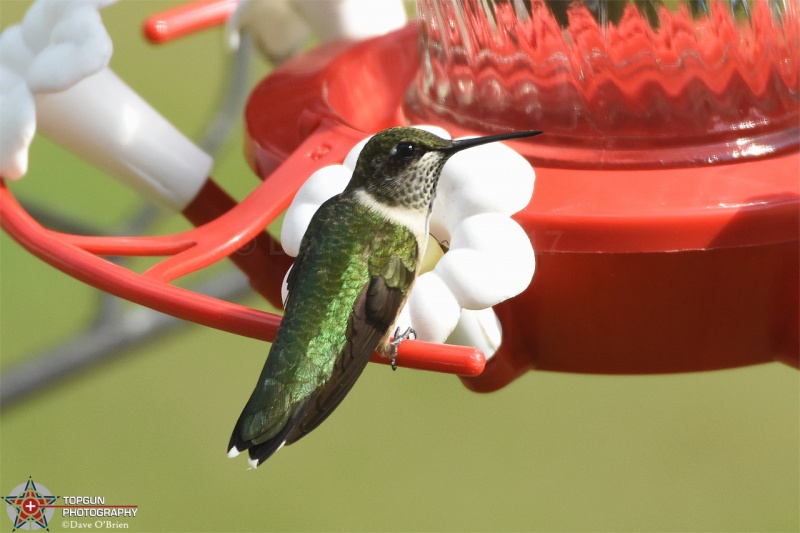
pixel 666 208
pixel 665 217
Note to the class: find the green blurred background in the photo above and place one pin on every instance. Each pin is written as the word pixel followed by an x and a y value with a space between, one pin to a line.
pixel 407 450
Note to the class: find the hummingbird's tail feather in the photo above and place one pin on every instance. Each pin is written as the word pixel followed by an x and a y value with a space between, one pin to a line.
pixel 260 452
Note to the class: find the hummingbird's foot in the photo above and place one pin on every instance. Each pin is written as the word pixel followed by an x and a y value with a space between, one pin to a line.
pixel 409 333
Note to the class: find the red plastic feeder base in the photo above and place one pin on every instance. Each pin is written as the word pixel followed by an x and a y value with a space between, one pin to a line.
pixel 638 271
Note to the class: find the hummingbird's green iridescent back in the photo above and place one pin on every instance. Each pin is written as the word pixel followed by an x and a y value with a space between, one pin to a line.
pixel 341 304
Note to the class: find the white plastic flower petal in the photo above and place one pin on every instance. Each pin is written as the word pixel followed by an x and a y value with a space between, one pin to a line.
pixel 15 54
pixel 490 257
pixel 19 124
pixel 480 329
pixel 79 46
pixel 62 50
pixel 277 29
pixel 490 260
pixel 432 309
pixel 352 156
pixel 488 178
pixel 280 28
pixel 58 43
pixel 351 19
pixel 322 185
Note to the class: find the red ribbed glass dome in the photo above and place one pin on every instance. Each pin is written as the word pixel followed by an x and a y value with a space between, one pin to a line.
pixel 616 83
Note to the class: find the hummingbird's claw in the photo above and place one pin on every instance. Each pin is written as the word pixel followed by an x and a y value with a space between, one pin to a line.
pixel 409 333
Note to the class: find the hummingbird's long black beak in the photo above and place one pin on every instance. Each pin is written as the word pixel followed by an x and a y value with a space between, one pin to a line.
pixel 477 141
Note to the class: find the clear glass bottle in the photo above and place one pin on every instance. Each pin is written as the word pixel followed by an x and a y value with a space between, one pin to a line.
pixel 616 83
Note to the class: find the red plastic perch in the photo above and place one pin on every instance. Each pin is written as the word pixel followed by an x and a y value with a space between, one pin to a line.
pixel 186 19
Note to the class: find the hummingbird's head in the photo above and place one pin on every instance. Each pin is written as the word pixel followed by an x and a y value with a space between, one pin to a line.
pixel 400 167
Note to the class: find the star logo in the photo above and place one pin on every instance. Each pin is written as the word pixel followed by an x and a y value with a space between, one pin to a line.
pixel 29 506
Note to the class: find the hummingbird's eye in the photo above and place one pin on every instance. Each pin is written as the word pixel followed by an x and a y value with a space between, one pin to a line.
pixel 404 150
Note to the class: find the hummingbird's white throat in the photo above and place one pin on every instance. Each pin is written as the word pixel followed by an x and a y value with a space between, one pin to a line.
pixel 415 220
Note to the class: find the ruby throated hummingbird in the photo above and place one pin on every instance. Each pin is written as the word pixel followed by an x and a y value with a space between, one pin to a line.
pixel 357 263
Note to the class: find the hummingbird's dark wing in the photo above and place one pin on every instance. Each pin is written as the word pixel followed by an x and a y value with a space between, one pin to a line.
pixel 374 313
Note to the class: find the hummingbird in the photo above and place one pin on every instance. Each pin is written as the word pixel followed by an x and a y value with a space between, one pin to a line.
pixel 357 264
